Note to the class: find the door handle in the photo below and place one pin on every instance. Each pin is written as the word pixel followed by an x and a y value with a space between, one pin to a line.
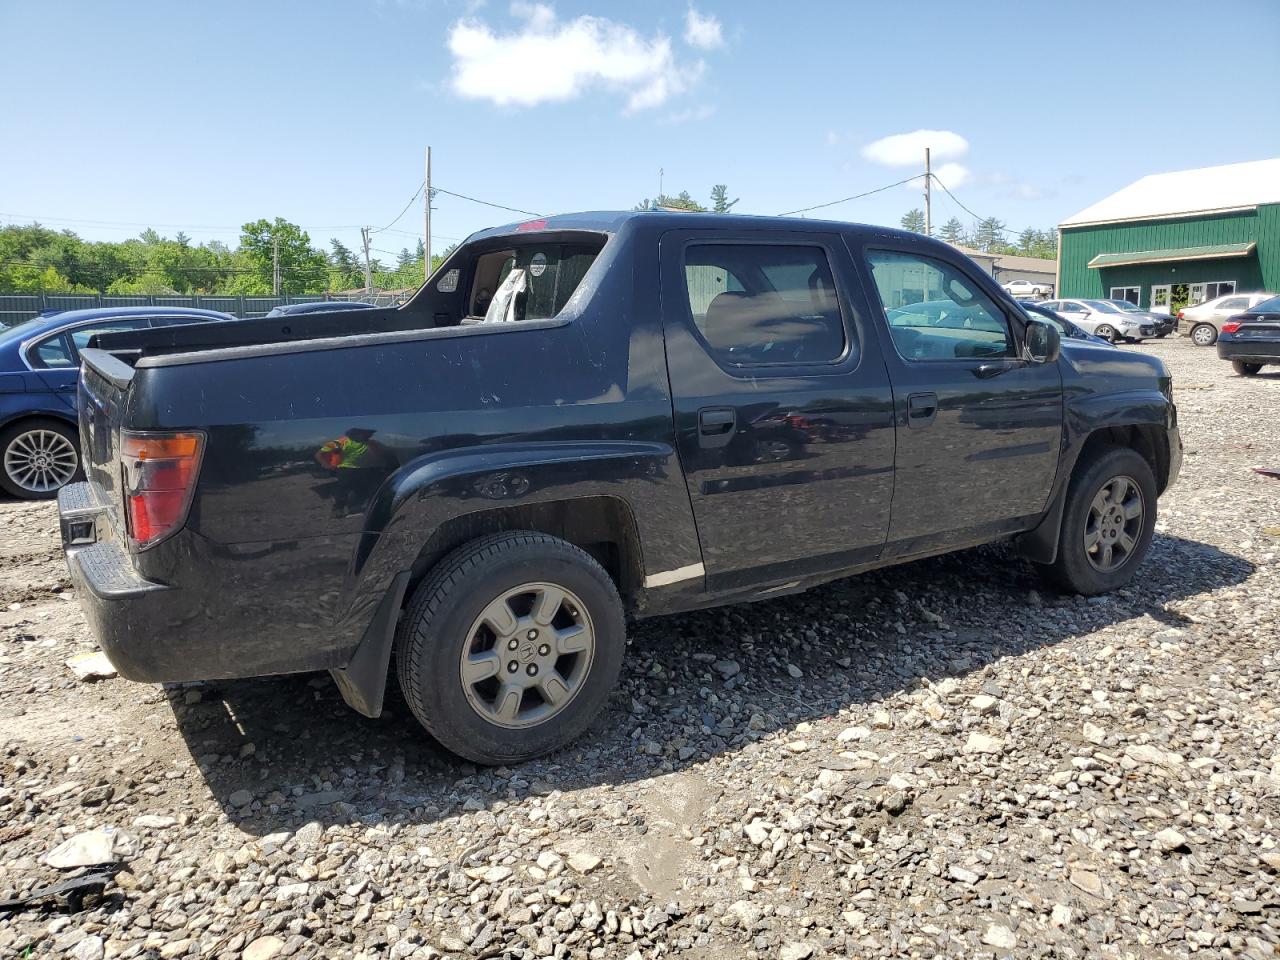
pixel 715 426
pixel 921 409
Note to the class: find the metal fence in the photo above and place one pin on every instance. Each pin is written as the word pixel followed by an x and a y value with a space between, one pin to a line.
pixel 16 307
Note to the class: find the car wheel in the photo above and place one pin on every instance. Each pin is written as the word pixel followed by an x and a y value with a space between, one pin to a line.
pixel 510 646
pixel 1107 523
pixel 1245 369
pixel 1204 335
pixel 1106 332
pixel 38 458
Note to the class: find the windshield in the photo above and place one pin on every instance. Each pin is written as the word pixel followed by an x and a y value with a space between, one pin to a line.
pixel 21 331
pixel 1125 306
pixel 1106 306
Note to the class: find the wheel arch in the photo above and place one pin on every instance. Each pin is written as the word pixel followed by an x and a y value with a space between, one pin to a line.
pixel 1149 440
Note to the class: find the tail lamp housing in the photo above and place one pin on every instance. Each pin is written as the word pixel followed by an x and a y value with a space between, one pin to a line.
pixel 1231 326
pixel 159 478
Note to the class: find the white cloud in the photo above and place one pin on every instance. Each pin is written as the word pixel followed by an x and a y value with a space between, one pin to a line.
pixel 907 149
pixel 702 30
pixel 952 174
pixel 544 59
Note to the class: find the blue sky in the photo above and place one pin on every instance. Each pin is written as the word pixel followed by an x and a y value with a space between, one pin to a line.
pixel 201 116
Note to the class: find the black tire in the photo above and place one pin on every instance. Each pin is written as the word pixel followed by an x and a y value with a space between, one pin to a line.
pixel 1245 369
pixel 9 435
pixel 437 627
pixel 1209 336
pixel 1161 336
pixel 1106 332
pixel 1072 571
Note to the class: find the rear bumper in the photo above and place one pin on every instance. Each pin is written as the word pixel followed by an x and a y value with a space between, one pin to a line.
pixel 233 620
pixel 1251 350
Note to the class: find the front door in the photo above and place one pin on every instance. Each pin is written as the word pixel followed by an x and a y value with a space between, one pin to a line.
pixel 979 427
pixel 783 409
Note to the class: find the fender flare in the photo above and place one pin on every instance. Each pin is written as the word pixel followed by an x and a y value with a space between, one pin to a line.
pixel 1085 422
pixel 422 496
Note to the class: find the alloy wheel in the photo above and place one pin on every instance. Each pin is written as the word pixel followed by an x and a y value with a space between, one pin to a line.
pixel 41 460
pixel 1114 524
pixel 527 655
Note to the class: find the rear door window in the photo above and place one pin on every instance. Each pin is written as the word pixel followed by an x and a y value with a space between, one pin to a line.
pixel 52 353
pixel 756 304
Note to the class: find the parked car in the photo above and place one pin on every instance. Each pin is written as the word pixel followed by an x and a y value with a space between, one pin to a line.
pixel 661 412
pixel 1251 340
pixel 1028 288
pixel 1065 327
pixel 319 306
pixel 1203 321
pixel 1162 323
pixel 1104 319
pixel 39 365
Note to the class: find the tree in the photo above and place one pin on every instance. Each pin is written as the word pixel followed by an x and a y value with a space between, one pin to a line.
pixel 682 201
pixel 302 269
pixel 913 220
pixel 720 202
pixel 1028 239
pixel 952 232
pixel 988 234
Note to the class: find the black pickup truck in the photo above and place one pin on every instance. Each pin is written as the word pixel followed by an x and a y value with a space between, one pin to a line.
pixel 576 419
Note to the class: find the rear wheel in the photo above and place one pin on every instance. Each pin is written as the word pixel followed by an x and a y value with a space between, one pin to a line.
pixel 1204 335
pixel 1107 523
pixel 1106 332
pixel 1245 369
pixel 510 647
pixel 37 458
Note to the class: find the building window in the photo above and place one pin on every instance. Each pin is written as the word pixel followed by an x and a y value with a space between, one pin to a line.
pixel 1200 292
pixel 1131 294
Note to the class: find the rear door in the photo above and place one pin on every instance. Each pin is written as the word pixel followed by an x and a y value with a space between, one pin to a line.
pixel 979 428
pixel 782 404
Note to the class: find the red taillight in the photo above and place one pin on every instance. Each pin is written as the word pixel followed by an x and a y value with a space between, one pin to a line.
pixel 160 472
pixel 1180 316
pixel 531 225
pixel 1231 326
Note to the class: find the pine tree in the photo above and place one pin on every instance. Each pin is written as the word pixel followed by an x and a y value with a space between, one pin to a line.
pixel 913 220
pixel 989 233
pixel 952 231
pixel 720 202
pixel 1028 240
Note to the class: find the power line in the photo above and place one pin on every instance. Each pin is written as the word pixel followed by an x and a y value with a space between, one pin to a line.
pixel 487 203
pixel 856 196
pixel 953 197
pixel 404 211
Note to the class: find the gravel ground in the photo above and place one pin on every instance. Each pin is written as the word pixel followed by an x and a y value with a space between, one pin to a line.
pixel 942 759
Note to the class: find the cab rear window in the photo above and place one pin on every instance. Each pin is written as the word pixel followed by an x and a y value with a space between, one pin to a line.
pixel 528 281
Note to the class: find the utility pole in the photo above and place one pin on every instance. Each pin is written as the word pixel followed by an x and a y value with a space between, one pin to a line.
pixel 660 173
pixel 275 266
pixel 368 270
pixel 426 220
pixel 928 197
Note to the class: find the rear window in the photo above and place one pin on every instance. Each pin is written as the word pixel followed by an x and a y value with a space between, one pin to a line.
pixel 529 282
pixel 1268 306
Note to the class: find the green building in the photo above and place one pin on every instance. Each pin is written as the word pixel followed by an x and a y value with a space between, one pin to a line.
pixel 1173 239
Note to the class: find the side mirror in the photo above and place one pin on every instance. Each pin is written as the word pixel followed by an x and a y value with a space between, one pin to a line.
pixel 1043 342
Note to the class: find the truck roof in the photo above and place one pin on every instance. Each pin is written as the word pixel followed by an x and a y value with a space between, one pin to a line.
pixel 611 221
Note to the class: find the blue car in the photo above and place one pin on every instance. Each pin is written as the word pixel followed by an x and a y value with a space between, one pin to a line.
pixel 319 306
pixel 39 367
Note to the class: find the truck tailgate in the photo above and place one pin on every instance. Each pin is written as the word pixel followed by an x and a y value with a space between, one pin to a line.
pixel 101 402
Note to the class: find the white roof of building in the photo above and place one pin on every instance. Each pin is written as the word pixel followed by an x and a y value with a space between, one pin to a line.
pixel 1232 186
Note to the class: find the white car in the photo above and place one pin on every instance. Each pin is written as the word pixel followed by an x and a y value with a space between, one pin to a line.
pixel 1203 321
pixel 1026 288
pixel 1105 319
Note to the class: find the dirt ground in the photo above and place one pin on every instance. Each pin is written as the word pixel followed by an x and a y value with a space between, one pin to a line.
pixel 942 759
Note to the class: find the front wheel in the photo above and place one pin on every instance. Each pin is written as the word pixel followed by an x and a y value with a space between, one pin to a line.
pixel 1245 369
pixel 1107 523
pixel 510 647
pixel 37 458
pixel 1106 332
pixel 1204 335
